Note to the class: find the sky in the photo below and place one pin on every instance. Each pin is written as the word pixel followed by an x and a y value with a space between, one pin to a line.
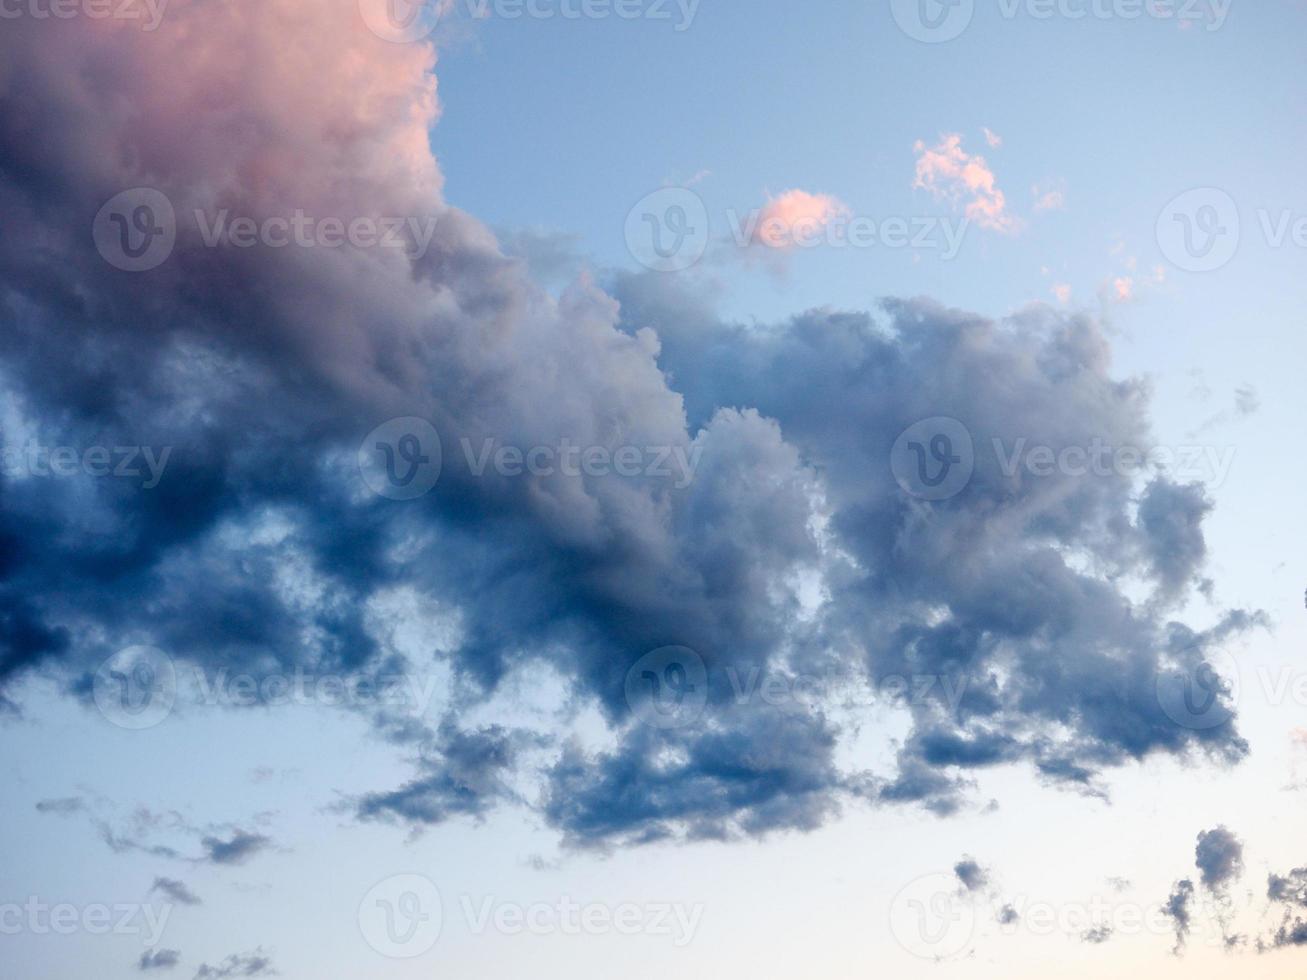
pixel 493 487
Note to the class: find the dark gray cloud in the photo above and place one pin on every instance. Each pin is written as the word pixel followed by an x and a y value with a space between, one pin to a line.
pixel 238 848
pixel 1097 935
pixel 1178 909
pixel 1289 892
pixel 252 964
pixel 64 807
pixel 973 877
pixel 177 891
pixel 158 959
pixel 463 773
pixel 1219 857
pixel 260 549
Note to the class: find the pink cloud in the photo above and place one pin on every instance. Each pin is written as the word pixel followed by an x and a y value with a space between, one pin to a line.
pixel 1048 198
pixel 794 217
pixel 950 173
pixel 992 138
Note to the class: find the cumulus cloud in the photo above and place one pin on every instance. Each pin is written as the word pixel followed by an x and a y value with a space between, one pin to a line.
pixel 261 549
pixel 952 174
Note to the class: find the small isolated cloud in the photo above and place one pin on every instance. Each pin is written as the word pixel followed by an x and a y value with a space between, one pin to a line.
pixel 158 959
pixel 1062 292
pixel 1008 915
pixel 1097 935
pixel 177 891
pixel 1219 857
pixel 237 850
pixel 1127 286
pixel 253 964
pixel 62 807
pixel 992 138
pixel 952 174
pixel 795 217
pixel 1178 910
pixel 974 878
pixel 1049 196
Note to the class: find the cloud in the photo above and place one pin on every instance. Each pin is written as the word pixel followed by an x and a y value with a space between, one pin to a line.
pixel 63 807
pixel 252 964
pixel 464 773
pixel 992 138
pixel 1219 857
pixel 952 174
pixel 237 849
pixel 261 548
pixel 1290 892
pixel 795 217
pixel 972 875
pixel 1097 935
pixel 176 890
pixel 1050 196
pixel 1177 908
pixel 158 959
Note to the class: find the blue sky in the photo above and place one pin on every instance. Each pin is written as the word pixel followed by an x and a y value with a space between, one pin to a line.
pixel 519 807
